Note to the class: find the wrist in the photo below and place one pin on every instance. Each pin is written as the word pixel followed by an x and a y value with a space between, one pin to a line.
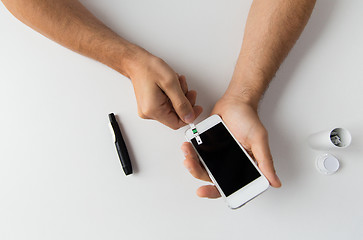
pixel 244 94
pixel 130 59
pixel 248 86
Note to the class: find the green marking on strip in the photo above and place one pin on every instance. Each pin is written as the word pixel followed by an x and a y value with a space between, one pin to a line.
pixel 194 130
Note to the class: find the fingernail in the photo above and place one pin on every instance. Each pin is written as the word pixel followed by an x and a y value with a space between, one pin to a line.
pixel 189 118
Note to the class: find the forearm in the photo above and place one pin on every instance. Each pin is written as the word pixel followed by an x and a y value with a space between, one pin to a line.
pixel 272 29
pixel 70 24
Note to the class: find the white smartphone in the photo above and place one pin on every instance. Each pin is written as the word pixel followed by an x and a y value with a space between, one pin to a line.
pixel 228 164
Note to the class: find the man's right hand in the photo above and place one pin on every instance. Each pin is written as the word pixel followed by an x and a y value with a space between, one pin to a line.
pixel 162 94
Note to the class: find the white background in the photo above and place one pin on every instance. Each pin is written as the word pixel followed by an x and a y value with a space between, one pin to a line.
pixel 60 177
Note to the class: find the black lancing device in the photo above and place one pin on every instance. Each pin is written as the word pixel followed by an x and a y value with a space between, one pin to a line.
pixel 120 145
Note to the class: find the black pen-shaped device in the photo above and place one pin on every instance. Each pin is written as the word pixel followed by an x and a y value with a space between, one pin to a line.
pixel 120 145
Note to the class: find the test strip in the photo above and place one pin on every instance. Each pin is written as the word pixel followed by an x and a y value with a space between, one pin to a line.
pixel 195 133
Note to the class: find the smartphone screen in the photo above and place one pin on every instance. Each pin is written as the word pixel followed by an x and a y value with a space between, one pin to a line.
pixel 225 159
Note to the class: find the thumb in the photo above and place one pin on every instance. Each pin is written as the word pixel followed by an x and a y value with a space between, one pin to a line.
pixel 180 102
pixel 262 154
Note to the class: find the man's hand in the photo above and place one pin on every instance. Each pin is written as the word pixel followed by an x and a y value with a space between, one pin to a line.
pixel 162 94
pixel 242 120
pixel 271 30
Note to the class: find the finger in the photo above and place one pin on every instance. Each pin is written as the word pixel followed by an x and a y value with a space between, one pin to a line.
pixel 208 191
pixel 262 154
pixel 183 84
pixel 191 96
pixel 180 103
pixel 166 115
pixel 172 120
pixel 197 110
pixel 192 163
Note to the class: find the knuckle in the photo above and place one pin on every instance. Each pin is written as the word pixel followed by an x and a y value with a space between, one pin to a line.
pixel 158 61
pixel 155 62
pixel 142 115
pixel 147 111
pixel 167 82
pixel 174 127
pixel 197 175
pixel 183 105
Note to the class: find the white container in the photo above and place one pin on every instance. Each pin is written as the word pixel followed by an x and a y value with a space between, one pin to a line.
pixel 336 138
pixel 327 164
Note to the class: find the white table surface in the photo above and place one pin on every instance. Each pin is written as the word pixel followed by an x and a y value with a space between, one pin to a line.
pixel 60 177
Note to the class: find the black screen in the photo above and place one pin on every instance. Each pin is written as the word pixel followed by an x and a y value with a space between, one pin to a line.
pixel 227 162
